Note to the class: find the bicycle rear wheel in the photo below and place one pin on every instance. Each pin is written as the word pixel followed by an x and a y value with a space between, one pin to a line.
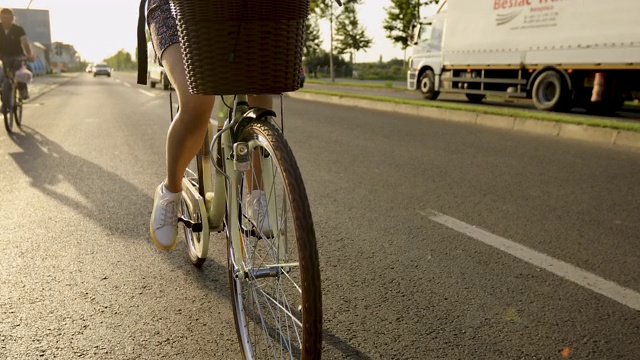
pixel 277 300
pixel 194 240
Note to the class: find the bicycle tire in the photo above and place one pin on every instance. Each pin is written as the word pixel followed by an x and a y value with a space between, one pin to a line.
pixel 193 174
pixel 7 101
pixel 17 110
pixel 8 121
pixel 267 311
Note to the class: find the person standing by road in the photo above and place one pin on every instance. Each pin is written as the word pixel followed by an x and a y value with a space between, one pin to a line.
pixel 14 44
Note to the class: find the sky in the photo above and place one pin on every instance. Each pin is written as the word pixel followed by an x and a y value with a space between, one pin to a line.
pixel 99 28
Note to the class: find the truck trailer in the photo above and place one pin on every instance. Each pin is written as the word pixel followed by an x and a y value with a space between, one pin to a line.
pixel 559 53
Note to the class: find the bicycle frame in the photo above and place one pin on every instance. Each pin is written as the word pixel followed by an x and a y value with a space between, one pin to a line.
pixel 272 282
pixel 9 79
pixel 221 192
pixel 10 99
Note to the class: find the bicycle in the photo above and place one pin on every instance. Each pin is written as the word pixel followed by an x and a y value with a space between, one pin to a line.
pixel 272 262
pixel 11 99
pixel 273 270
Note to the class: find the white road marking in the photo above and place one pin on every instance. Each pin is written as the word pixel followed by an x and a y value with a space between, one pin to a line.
pixel 147 93
pixel 127 85
pixel 117 80
pixel 565 270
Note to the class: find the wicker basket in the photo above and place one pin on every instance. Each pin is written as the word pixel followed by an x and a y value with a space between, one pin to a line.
pixel 242 46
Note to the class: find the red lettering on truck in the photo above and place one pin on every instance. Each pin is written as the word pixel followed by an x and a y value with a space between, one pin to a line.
pixel 509 4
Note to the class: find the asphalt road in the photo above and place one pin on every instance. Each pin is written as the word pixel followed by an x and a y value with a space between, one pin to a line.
pixel 438 240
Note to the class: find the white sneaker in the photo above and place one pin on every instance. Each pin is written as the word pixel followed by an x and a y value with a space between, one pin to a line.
pixel 164 218
pixel 256 213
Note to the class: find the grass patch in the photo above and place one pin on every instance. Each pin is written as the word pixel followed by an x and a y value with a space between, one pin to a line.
pixel 521 113
pixel 385 85
pixel 632 104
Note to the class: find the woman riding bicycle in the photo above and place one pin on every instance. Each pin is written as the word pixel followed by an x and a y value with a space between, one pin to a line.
pixel 187 129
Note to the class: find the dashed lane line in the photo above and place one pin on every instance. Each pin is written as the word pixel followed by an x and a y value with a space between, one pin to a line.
pixel 147 93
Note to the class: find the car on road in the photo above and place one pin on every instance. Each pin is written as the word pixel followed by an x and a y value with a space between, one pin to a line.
pixel 89 68
pixel 101 69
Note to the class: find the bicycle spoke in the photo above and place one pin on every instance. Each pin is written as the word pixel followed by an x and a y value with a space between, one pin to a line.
pixel 271 294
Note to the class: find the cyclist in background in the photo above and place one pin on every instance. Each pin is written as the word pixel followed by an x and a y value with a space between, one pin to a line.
pixel 14 45
pixel 187 130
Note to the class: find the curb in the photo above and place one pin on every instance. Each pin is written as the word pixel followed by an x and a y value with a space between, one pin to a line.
pixel 52 86
pixel 539 127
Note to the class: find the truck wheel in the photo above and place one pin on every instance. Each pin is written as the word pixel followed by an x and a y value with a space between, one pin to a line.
pixel 550 92
pixel 475 98
pixel 428 85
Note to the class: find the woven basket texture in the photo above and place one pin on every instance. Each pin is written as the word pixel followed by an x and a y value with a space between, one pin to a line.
pixel 242 46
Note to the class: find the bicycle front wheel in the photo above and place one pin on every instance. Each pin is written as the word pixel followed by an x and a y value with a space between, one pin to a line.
pixel 8 95
pixel 276 293
pixel 17 113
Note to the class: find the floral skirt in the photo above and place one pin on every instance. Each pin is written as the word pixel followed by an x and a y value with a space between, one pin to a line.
pixel 162 25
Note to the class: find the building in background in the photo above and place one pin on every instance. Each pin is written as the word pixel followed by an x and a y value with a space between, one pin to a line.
pixel 36 24
pixel 63 57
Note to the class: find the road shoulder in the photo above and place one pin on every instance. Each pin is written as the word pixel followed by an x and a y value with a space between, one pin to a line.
pixel 595 134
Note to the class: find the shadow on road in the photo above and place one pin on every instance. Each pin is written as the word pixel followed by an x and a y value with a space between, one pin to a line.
pixel 220 284
pixel 85 187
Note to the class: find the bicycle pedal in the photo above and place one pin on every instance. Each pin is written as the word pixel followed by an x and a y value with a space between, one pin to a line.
pixel 193 226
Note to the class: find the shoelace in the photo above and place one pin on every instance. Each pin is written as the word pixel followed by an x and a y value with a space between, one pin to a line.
pixel 169 213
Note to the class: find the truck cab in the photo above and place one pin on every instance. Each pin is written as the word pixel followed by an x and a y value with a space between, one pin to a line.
pixel 425 64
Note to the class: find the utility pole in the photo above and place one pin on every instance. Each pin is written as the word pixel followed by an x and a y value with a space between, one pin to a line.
pixel 331 75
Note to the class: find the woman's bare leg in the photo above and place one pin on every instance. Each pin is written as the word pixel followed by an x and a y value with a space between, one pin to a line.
pixel 189 127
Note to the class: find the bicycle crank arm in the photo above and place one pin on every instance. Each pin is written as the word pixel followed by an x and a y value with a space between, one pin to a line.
pixel 194 226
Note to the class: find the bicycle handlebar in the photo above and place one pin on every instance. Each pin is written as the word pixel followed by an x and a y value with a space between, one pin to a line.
pixel 9 64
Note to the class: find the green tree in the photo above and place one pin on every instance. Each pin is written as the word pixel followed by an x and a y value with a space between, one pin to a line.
pixel 402 18
pixel 122 60
pixel 350 35
pixel 312 41
pixel 327 9
pixel 320 63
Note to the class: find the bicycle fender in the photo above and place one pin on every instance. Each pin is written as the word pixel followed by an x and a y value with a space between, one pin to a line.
pixel 258 113
pixel 252 114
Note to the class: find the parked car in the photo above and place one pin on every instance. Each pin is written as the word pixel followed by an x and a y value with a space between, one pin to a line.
pixel 102 69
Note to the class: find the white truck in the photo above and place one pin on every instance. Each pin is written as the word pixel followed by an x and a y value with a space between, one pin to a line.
pixel 155 72
pixel 560 53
